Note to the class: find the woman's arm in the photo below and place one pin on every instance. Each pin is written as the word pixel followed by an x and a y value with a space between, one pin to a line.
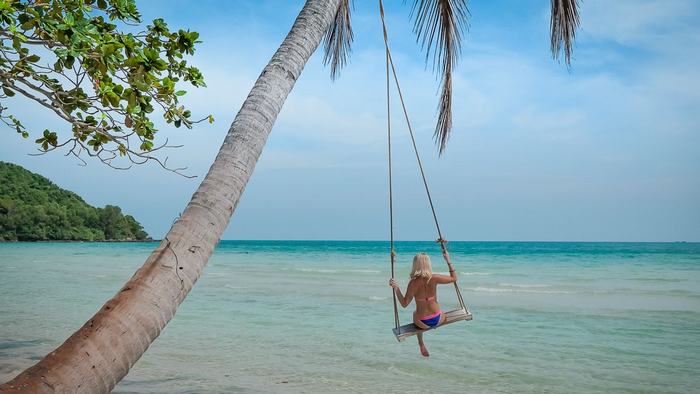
pixel 444 278
pixel 403 300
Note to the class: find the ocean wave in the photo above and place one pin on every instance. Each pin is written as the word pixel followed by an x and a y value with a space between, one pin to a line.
pixel 475 273
pixel 235 287
pixel 337 271
pixel 375 298
pixel 669 280
pixel 524 286
pixel 516 290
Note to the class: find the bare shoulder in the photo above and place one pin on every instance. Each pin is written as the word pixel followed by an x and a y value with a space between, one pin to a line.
pixel 411 283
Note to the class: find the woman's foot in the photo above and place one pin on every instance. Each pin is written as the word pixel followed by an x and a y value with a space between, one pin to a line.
pixel 421 345
pixel 424 351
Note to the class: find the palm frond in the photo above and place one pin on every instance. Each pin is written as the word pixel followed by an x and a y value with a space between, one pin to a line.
pixel 336 43
pixel 563 23
pixel 439 26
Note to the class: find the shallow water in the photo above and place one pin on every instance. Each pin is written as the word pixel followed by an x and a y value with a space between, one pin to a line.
pixel 287 317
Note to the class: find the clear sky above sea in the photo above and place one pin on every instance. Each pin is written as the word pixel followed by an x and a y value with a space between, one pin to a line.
pixel 609 150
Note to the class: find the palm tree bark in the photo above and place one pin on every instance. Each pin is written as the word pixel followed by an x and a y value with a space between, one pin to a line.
pixel 97 356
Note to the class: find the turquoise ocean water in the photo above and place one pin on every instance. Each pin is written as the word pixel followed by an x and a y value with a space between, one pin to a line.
pixel 317 317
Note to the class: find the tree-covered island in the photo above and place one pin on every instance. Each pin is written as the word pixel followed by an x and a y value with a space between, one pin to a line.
pixel 32 208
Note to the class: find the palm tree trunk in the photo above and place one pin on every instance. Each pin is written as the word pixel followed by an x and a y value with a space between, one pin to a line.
pixel 97 356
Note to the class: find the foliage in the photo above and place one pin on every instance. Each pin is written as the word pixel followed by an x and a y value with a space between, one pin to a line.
pixel 336 42
pixel 563 24
pixel 32 208
pixel 69 57
pixel 439 26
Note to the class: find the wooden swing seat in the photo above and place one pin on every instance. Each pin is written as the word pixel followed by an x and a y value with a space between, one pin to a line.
pixel 411 329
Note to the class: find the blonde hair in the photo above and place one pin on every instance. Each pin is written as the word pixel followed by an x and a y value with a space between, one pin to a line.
pixel 421 267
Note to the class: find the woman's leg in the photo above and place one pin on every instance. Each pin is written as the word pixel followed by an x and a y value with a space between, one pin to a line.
pixel 421 345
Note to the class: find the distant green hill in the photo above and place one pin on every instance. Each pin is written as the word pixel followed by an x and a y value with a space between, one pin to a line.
pixel 32 208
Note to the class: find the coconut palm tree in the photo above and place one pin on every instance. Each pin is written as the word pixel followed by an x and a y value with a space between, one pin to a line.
pixel 97 356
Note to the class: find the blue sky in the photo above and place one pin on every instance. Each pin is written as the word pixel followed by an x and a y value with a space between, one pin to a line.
pixel 605 151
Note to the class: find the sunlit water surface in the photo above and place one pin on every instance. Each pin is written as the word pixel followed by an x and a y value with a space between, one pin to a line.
pixel 317 317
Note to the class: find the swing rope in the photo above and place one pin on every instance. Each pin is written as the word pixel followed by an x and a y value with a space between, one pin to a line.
pixel 397 322
pixel 443 243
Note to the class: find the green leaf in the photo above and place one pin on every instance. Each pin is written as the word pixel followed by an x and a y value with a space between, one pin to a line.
pixel 146 146
pixel 113 99
pixel 133 69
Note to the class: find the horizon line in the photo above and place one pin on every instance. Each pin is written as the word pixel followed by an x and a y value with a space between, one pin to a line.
pixel 423 240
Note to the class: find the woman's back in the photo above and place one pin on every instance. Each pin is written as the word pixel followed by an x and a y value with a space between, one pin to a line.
pixel 425 294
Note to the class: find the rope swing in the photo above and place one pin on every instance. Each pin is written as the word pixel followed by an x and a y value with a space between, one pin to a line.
pixel 463 313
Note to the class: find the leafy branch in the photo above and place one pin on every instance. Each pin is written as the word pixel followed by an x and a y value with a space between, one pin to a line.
pixel 68 56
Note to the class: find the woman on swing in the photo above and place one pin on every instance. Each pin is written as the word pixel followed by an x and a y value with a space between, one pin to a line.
pixel 423 287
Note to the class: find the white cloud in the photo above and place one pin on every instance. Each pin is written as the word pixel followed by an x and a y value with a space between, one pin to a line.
pixel 653 24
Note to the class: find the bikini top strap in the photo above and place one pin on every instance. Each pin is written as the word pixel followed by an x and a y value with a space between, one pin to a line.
pixel 425 287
